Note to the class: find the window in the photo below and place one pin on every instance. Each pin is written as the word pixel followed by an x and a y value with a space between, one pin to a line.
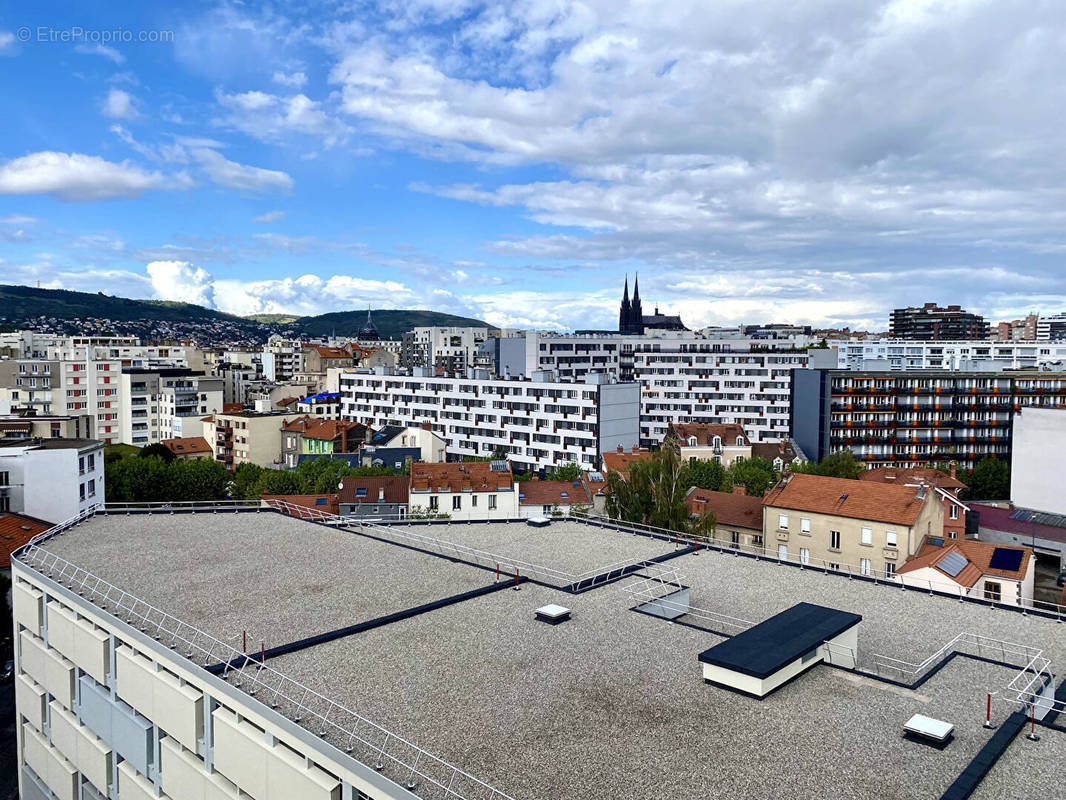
pixel 691 441
pixel 867 535
pixel 890 539
pixel 492 502
pixel 834 540
pixel 92 488
pixel 805 555
pixel 782 552
pixel 993 591
pixel 434 503
pixel 5 503
pixel 360 491
pixel 81 465
pixel 90 463
pixel 756 540
pixel 953 534
pixel 457 502
pixel 81 492
pixel 953 511
pixel 5 479
pixel 740 441
pixel 782 522
pixel 805 525
pixel 890 569
pixel 864 566
pixel 834 565
pixel 734 538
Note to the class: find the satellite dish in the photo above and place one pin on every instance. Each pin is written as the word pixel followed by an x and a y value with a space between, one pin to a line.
pixel 340 485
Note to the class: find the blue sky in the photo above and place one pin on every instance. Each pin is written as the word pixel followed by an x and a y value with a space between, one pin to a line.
pixel 799 161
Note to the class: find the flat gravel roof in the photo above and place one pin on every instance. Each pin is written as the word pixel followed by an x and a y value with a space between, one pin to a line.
pixel 565 545
pixel 609 704
pixel 279 578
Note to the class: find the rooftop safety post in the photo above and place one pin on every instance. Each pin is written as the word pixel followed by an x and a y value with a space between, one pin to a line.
pixel 1032 736
pixel 988 714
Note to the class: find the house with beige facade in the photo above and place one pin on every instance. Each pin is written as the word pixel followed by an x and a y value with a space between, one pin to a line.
pixel 709 442
pixel 466 490
pixel 868 527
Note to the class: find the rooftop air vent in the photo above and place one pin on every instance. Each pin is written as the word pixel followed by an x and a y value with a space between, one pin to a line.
pixel 552 613
pixel 538 522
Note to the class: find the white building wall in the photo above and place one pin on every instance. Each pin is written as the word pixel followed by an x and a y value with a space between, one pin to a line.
pixel 471 505
pixel 1037 459
pixel 53 484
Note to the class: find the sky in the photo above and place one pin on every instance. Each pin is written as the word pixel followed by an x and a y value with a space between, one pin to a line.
pixel 775 160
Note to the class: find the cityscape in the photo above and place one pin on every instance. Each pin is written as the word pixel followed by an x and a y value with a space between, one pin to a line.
pixel 473 402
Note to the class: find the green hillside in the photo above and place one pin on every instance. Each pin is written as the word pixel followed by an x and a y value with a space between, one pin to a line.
pixel 26 302
pixel 391 323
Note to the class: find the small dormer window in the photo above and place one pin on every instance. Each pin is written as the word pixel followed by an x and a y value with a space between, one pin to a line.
pixel 691 441
pixel 740 441
pixel 717 441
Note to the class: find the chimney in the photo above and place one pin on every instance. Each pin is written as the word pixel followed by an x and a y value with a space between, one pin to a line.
pixel 740 489
pixel 427 427
pixel 344 437
pixel 636 448
pixel 621 449
pixel 951 468
pixel 920 494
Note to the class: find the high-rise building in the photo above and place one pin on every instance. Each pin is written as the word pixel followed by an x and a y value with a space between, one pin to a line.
pixel 930 321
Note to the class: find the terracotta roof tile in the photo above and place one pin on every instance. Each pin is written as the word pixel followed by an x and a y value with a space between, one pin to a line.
pixel 847 498
pixel 620 462
pixel 977 554
pixel 550 493
pixel 903 475
pixel 330 429
pixel 186 445
pixel 706 431
pixel 15 531
pixel 395 486
pixel 327 503
pixel 782 449
pixel 740 510
pixel 471 476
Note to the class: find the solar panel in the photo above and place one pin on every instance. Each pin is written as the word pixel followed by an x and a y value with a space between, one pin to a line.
pixel 498 466
pixel 952 564
pixel 596 477
pixel 1006 558
pixel 1040 517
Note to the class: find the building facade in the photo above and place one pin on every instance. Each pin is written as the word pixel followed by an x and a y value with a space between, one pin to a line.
pixel 51 479
pixel 538 424
pixel 916 418
pixel 931 322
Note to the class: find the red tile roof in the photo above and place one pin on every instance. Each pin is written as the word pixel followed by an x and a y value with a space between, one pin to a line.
pixel 706 431
pixel 978 554
pixel 232 408
pixel 327 503
pixel 395 486
pixel 729 508
pixel 620 462
pixel 847 498
pixel 187 445
pixel 331 429
pixel 782 449
pixel 903 475
pixel 15 531
pixel 299 424
pixel 476 476
pixel 550 493
pixel 333 352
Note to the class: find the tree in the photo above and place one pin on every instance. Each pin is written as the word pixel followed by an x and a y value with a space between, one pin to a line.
pixel 841 464
pixel 653 493
pixel 245 478
pixel 989 480
pixel 705 474
pixel 754 474
pixel 567 472
pixel 158 450
pixel 201 479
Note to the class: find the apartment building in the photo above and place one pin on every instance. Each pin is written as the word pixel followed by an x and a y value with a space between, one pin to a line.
pixel 706 442
pixel 240 437
pixel 326 405
pixel 835 521
pixel 738 516
pixel 282 358
pixel 453 349
pixel 431 448
pixel 466 490
pixel 51 479
pixel 871 354
pixel 381 497
pixel 34 426
pixel 1051 328
pixel 539 424
pixel 164 403
pixel 915 418
pixel 931 322
pixel 189 448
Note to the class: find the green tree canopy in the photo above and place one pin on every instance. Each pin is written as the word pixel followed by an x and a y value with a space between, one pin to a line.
pixel 705 474
pixel 754 474
pixel 158 450
pixel 567 472
pixel 841 464
pixel 989 480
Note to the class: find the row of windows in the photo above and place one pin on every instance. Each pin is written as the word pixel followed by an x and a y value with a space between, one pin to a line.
pixel 457 502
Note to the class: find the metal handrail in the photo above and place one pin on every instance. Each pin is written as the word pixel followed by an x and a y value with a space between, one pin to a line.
pixel 312 710
pixel 944 587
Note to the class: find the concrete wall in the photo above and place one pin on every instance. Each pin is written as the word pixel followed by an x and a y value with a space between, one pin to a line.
pixel 809 412
pixel 1038 458
pixel 619 416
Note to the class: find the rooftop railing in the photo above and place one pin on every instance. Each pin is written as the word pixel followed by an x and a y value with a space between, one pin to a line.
pixel 404 762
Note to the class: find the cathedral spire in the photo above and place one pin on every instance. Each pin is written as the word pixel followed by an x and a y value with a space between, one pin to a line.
pixel 624 312
pixel 636 313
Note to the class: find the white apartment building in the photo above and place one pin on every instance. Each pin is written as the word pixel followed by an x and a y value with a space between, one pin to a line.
pixel 154 403
pixel 990 355
pixel 464 490
pixel 1052 328
pixel 282 358
pixel 453 348
pixel 539 424
pixel 51 479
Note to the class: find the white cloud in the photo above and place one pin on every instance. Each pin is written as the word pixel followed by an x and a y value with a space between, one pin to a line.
pixel 18 219
pixel 294 80
pixel 79 177
pixel 241 176
pixel 310 294
pixel 270 216
pixel 119 104
pixel 272 118
pixel 7 43
pixel 110 53
pixel 182 282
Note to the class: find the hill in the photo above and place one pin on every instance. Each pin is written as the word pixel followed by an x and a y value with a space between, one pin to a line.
pixel 391 323
pixel 19 303
pixel 273 319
